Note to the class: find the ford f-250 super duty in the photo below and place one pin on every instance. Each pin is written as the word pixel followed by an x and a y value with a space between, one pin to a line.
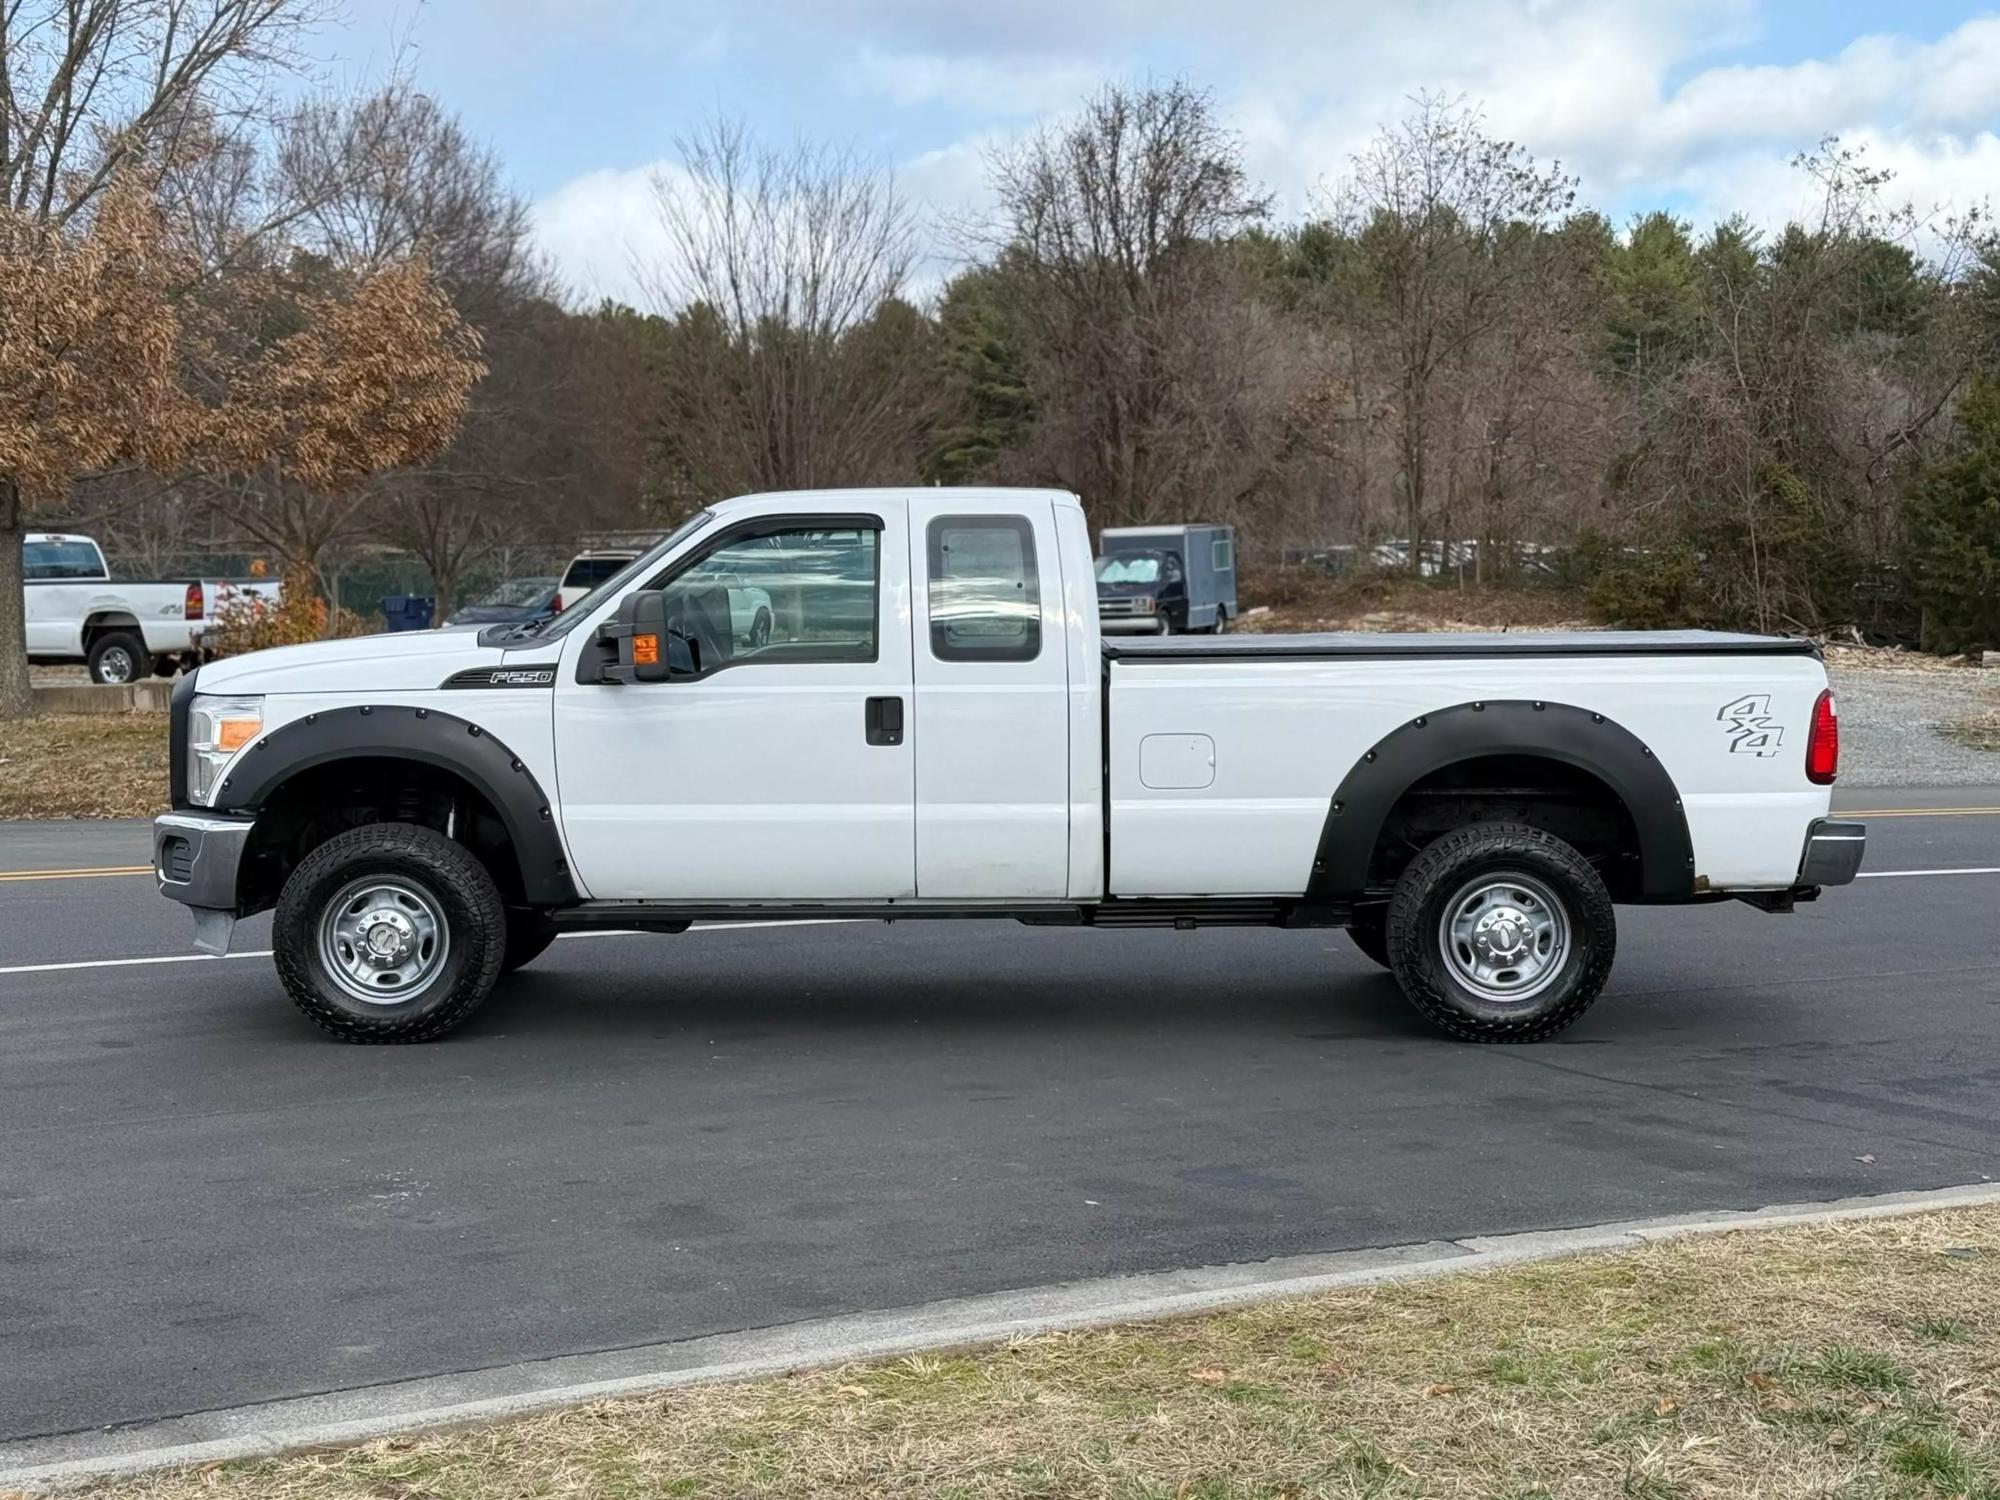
pixel 930 726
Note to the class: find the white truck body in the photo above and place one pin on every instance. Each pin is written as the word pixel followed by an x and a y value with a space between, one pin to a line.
pixel 937 728
pixel 76 612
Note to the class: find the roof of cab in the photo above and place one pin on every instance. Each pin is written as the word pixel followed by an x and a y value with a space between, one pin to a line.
pixel 904 492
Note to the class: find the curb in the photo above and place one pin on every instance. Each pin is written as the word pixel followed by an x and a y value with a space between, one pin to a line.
pixel 351 1416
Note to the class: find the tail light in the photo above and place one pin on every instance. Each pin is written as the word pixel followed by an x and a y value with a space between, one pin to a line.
pixel 191 605
pixel 1823 744
pixel 555 605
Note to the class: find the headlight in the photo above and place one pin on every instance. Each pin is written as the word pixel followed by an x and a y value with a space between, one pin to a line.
pixel 217 729
pixel 1147 604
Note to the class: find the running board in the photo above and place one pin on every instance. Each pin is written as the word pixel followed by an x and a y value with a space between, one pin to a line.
pixel 676 916
pixel 1180 913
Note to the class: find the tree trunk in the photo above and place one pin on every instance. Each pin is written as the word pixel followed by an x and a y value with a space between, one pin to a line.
pixel 17 700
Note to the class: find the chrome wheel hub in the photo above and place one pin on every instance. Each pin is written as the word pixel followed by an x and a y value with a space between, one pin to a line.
pixel 383 940
pixel 1505 937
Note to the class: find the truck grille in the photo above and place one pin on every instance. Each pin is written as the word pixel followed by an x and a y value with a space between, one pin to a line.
pixel 176 860
pixel 1124 607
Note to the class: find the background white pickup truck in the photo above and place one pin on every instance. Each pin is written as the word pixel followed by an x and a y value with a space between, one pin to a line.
pixel 930 726
pixel 124 629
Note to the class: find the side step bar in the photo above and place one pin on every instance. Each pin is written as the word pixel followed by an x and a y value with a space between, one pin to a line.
pixel 678 916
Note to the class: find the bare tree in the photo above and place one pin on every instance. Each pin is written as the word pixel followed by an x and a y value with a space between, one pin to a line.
pixel 1455 233
pixel 792 359
pixel 376 181
pixel 1110 256
pixel 89 87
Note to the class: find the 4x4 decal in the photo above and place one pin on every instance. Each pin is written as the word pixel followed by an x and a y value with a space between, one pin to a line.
pixel 1751 731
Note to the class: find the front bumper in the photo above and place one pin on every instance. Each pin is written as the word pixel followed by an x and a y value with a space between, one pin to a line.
pixel 1129 625
pixel 1833 852
pixel 195 858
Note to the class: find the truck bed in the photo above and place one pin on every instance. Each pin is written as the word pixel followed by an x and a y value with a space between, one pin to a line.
pixel 1405 645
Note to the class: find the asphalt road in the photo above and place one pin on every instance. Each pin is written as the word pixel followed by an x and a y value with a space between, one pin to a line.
pixel 203 1202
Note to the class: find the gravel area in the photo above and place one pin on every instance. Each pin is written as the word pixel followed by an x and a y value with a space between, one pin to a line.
pixel 1889 726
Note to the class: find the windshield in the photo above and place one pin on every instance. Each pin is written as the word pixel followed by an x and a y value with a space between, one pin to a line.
pixel 554 627
pixel 519 593
pixel 1131 567
pixel 47 560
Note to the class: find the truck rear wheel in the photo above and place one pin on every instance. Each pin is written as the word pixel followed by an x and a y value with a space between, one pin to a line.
pixel 389 933
pixel 119 657
pixel 1499 932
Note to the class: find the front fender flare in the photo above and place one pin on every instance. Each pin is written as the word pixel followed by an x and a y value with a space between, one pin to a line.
pixel 431 738
pixel 1467 731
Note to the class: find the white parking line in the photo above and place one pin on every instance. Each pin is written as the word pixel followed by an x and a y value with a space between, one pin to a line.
pixel 209 958
pixel 1895 874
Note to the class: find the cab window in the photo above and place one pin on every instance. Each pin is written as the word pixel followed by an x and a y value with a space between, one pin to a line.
pixel 985 597
pixel 796 595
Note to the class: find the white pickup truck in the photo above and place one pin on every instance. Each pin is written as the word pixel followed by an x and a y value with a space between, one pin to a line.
pixel 122 629
pixel 932 727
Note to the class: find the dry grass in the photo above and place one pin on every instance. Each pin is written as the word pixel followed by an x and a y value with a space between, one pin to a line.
pixel 1895 659
pixel 83 766
pixel 1299 600
pixel 1980 730
pixel 1856 1360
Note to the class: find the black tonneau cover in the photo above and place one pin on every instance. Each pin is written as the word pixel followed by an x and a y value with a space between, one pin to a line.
pixel 1432 644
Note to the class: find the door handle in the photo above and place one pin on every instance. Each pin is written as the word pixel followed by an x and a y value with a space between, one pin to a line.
pixel 884 721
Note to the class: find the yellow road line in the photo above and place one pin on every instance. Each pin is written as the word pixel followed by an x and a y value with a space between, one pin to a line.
pixel 75 874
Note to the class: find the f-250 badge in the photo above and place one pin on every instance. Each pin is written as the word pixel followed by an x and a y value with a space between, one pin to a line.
pixel 1751 731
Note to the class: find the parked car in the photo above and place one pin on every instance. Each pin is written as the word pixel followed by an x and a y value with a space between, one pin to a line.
pixel 514 601
pixel 1159 580
pixel 590 568
pixel 122 629
pixel 750 613
pixel 942 733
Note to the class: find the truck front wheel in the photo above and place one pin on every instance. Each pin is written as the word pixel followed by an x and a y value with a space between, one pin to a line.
pixel 389 932
pixel 1499 932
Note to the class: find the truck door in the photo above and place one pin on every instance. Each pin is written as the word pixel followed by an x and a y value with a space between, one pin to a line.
pixel 776 763
pixel 992 691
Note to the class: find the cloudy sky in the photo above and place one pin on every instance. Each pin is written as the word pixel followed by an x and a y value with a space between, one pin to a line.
pixel 1692 105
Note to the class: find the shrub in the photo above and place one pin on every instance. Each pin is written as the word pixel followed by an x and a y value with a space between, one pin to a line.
pixel 250 622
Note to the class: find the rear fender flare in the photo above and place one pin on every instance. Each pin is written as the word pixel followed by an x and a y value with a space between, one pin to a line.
pixel 1468 731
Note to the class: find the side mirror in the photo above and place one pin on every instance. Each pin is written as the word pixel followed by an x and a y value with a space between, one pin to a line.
pixel 639 634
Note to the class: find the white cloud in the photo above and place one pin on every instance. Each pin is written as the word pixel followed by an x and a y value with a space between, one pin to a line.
pixel 601 229
pixel 1642 99
pixel 992 86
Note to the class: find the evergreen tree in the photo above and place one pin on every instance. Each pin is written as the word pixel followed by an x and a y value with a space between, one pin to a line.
pixel 1951 523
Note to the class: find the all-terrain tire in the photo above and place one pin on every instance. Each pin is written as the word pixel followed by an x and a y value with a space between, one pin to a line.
pixel 446 874
pixel 528 936
pixel 1419 918
pixel 1370 932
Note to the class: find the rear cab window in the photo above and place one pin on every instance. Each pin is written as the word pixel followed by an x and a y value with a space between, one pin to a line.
pixel 52 561
pixel 985 593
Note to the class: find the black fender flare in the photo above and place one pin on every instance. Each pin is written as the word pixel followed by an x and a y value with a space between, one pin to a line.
pixel 1467 731
pixel 429 737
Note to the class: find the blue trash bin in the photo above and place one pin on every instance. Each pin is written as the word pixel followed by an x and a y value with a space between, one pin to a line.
pixel 408 611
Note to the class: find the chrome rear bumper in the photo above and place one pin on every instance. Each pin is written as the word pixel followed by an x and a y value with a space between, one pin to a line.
pixel 1833 852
